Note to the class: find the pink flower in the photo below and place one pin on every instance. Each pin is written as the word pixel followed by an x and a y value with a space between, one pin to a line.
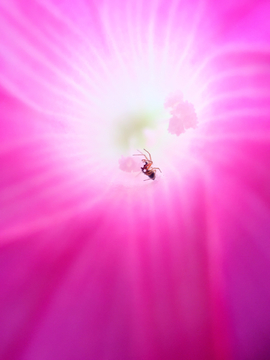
pixel 95 263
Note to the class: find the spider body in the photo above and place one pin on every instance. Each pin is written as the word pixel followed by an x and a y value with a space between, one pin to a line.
pixel 147 168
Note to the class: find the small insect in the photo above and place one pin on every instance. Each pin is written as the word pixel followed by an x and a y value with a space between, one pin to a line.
pixel 147 168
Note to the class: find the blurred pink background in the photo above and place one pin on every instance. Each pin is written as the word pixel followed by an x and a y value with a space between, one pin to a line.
pixel 95 263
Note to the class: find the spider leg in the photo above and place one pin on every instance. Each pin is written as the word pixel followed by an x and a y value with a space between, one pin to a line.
pixel 157 168
pixel 139 173
pixel 148 153
pixel 142 155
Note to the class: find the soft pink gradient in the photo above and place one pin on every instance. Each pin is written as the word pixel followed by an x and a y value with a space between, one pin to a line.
pixel 95 263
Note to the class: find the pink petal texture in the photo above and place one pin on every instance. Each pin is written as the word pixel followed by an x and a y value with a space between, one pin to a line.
pixel 95 262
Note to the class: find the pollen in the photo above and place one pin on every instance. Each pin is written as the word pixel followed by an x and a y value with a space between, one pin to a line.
pixel 183 114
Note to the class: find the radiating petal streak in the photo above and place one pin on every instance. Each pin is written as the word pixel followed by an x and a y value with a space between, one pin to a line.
pixel 42 40
pixel 10 58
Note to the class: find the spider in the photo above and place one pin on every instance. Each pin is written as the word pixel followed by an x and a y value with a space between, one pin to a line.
pixel 147 168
